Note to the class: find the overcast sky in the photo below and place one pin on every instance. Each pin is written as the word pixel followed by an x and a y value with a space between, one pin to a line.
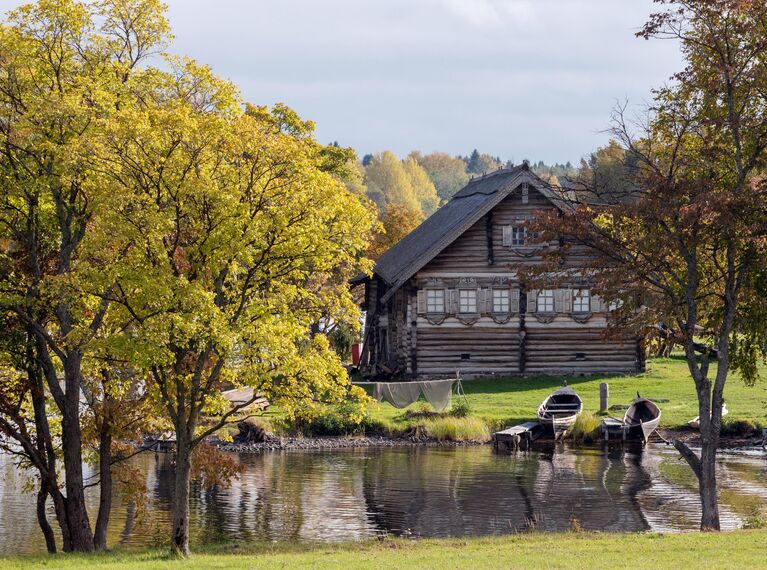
pixel 516 78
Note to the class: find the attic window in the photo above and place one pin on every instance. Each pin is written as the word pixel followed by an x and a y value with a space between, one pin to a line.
pixel 525 194
pixel 518 234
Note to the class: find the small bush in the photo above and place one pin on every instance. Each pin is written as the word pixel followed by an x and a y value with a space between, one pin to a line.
pixel 586 428
pixel 254 429
pixel 460 408
pixel 343 419
pixel 742 427
pixel 756 519
pixel 450 428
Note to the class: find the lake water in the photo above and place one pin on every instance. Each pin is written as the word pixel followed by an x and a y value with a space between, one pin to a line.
pixel 421 492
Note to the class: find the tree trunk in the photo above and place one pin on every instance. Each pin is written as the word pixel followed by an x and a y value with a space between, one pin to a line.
pixel 105 487
pixel 709 493
pixel 48 478
pixel 180 528
pixel 81 535
pixel 60 506
pixel 42 519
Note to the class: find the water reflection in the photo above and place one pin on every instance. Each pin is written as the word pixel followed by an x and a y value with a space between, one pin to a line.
pixel 353 494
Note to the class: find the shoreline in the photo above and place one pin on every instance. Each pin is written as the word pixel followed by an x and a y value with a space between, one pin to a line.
pixel 338 442
pixel 691 438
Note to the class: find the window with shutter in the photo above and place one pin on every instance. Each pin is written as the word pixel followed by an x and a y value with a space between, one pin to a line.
pixel 500 300
pixel 581 301
pixel 435 300
pixel 518 235
pixel 545 301
pixel 467 301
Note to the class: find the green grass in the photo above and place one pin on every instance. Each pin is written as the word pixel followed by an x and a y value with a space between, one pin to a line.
pixel 586 427
pixel 449 428
pixel 510 400
pixel 739 549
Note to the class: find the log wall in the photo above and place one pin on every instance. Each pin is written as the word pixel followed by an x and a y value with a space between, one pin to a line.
pixel 522 342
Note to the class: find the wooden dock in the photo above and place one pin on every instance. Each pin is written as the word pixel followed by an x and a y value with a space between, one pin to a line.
pixel 520 436
pixel 615 428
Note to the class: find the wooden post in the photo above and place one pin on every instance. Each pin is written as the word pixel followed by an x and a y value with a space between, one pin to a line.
pixel 604 393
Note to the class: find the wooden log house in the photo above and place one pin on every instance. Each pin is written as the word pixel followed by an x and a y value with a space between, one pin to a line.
pixel 448 298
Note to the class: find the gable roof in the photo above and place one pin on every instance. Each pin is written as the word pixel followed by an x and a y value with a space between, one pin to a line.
pixel 445 225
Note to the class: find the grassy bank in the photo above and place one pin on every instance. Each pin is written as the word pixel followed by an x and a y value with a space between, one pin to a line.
pixel 493 403
pixel 740 549
pixel 509 400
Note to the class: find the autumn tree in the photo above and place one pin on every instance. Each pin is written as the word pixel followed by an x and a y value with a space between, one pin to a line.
pixel 388 183
pixel 65 68
pixel 609 172
pixel 240 218
pixel 447 173
pixel 423 187
pixel 689 248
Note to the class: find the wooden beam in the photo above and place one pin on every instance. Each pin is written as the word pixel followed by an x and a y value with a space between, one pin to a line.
pixel 489 233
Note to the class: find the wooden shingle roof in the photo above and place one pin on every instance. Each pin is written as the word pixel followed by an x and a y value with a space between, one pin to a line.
pixel 445 225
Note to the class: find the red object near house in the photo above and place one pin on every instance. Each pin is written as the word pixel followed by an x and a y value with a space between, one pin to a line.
pixel 356 353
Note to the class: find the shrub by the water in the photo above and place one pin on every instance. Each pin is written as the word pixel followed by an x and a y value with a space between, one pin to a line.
pixel 460 408
pixel 344 419
pixel 756 519
pixel 450 428
pixel 586 428
pixel 739 427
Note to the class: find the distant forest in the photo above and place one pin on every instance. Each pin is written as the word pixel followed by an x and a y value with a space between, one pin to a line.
pixel 408 190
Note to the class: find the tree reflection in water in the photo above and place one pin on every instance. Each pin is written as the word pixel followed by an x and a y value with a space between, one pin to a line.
pixel 419 491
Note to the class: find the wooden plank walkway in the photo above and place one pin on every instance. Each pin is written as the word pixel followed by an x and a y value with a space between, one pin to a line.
pixel 614 427
pixel 514 437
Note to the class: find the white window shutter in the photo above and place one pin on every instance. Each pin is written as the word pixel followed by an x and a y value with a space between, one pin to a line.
pixel 507 236
pixel 532 297
pixel 597 304
pixel 422 302
pixel 559 301
pixel 480 300
pixel 567 300
pixel 514 300
pixel 453 304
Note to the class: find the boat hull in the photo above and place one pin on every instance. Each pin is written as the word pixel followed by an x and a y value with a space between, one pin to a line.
pixel 559 411
pixel 642 419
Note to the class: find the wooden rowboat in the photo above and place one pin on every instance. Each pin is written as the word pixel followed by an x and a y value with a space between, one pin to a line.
pixel 559 410
pixel 695 424
pixel 641 419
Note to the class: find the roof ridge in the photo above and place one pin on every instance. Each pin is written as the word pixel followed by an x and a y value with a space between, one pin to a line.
pixel 500 170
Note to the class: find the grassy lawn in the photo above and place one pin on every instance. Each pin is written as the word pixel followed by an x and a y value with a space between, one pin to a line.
pixel 509 400
pixel 740 549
